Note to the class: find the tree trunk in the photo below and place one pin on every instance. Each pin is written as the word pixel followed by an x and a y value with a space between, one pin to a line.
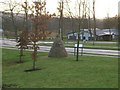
pixel 21 54
pixel 34 55
pixel 14 26
pixel 77 57
pixel 33 64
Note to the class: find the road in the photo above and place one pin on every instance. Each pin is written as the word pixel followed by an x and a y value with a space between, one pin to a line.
pixel 11 43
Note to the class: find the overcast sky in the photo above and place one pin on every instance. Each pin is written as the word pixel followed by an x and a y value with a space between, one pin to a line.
pixel 102 7
pixel 119 8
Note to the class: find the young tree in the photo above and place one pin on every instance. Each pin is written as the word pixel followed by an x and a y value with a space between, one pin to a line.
pixel 34 38
pixel 23 39
pixel 39 18
pixel 22 44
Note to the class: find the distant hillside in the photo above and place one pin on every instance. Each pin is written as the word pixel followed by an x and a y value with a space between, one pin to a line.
pixel 69 25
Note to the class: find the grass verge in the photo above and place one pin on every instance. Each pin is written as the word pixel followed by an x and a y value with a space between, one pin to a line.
pixel 88 72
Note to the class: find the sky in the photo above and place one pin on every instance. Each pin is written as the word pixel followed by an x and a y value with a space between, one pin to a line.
pixel 119 9
pixel 102 7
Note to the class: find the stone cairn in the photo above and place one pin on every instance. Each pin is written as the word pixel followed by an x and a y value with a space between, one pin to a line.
pixel 58 49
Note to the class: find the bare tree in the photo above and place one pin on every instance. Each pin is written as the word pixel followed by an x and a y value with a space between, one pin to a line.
pixel 94 18
pixel 89 23
pixel 110 22
pixel 11 9
pixel 26 8
pixel 77 57
pixel 61 6
pixel 71 16
pixel 109 25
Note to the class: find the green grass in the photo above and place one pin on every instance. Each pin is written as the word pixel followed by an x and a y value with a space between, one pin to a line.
pixel 0 66
pixel 108 46
pixel 88 72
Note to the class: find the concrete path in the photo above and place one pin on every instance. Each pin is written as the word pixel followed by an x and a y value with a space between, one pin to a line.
pixel 11 43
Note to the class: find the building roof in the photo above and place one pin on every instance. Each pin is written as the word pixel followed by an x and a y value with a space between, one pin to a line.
pixel 106 32
pixel 99 32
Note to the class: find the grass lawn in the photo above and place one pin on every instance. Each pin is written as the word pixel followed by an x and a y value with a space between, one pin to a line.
pixel 88 72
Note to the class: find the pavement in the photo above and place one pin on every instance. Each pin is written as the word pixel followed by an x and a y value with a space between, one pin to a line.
pixel 11 44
